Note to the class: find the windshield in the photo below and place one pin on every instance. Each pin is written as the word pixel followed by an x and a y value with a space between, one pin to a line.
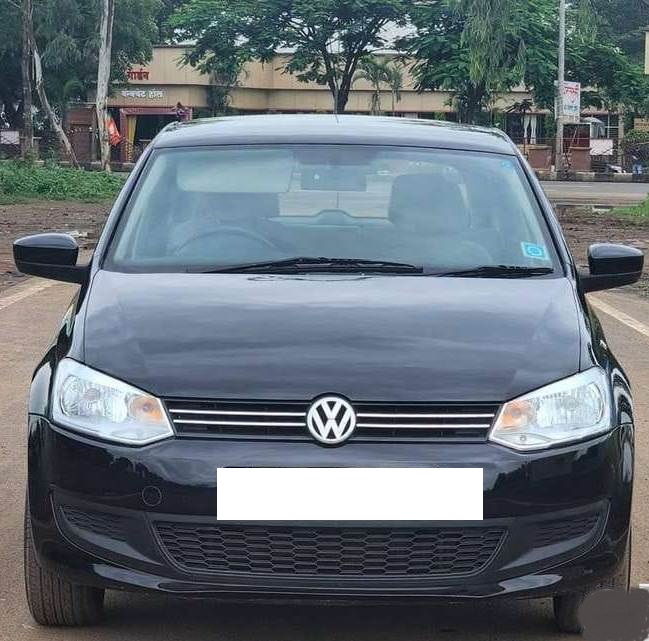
pixel 327 207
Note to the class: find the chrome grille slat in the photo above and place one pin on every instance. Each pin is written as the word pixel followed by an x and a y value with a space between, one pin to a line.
pixel 235 413
pixel 241 423
pixel 286 420
pixel 401 416
pixel 432 426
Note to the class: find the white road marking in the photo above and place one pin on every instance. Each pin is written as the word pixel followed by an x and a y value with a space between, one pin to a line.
pixel 25 292
pixel 620 316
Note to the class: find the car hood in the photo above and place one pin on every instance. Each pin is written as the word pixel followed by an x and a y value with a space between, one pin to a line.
pixel 378 338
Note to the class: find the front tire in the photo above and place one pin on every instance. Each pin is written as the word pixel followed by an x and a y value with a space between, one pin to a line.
pixel 566 606
pixel 53 601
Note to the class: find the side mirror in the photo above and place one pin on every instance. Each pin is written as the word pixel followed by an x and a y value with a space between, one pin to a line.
pixel 50 256
pixel 611 266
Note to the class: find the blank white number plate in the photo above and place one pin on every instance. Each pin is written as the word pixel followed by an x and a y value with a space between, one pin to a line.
pixel 349 494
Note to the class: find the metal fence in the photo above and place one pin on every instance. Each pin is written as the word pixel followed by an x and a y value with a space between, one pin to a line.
pixel 598 155
pixel 9 143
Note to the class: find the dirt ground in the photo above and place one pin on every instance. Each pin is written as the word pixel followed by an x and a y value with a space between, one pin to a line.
pixel 84 219
pixel 580 226
pixel 583 227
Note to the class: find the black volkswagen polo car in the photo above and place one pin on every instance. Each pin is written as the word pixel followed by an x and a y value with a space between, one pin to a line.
pixel 328 358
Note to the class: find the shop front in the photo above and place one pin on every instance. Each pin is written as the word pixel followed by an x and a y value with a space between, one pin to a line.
pixel 153 96
pixel 141 112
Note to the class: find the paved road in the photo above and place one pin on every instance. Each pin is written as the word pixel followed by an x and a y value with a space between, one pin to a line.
pixel 27 323
pixel 606 194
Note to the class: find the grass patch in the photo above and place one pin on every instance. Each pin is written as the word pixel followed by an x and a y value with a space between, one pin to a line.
pixel 640 210
pixel 6 199
pixel 20 182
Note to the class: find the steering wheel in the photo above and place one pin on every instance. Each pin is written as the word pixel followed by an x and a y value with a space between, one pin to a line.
pixel 228 231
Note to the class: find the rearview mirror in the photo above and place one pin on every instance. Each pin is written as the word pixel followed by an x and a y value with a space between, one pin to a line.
pixel 611 266
pixel 50 256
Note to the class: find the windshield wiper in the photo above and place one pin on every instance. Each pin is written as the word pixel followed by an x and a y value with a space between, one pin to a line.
pixel 500 271
pixel 321 263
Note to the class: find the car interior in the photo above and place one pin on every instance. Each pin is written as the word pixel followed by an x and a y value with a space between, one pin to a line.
pixel 429 214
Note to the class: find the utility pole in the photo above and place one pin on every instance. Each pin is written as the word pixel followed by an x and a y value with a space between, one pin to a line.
pixel 561 80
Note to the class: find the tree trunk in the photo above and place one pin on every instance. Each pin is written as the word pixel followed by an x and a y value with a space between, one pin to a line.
pixel 474 100
pixel 103 78
pixel 375 103
pixel 27 147
pixel 343 96
pixel 45 103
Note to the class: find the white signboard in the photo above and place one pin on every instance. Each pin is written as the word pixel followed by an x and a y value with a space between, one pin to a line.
pixel 601 147
pixel 9 137
pixel 151 94
pixel 571 101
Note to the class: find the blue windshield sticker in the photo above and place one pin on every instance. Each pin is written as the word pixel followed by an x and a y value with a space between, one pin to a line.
pixel 507 164
pixel 531 250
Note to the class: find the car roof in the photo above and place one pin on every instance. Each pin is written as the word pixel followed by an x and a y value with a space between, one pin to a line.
pixel 333 129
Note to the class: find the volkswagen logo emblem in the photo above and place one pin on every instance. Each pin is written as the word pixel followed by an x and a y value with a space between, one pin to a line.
pixel 331 420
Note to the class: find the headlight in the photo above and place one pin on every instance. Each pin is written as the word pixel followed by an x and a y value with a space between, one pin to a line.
pixel 569 410
pixel 91 402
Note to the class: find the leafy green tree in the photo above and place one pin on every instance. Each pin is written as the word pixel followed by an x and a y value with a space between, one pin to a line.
pixel 394 74
pixel 10 50
pixel 166 32
pixel 373 70
pixel 476 49
pixel 327 39
pixel 65 35
pixel 625 22
pixel 609 78
pixel 67 32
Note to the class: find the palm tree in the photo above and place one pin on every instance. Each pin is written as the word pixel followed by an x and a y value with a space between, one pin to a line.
pixel 394 77
pixel 373 71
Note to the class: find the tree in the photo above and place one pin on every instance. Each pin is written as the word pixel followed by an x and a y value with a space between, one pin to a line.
pixel 394 73
pixel 27 144
pixel 373 70
pixel 609 78
pixel 625 22
pixel 441 62
pixel 68 34
pixel 327 39
pixel 479 49
pixel 52 116
pixel 220 89
pixel 66 37
pixel 476 49
pixel 103 78
pixel 11 98
pixel 30 54
pixel 166 32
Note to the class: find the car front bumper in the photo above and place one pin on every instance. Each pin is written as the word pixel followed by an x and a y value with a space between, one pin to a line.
pixel 96 511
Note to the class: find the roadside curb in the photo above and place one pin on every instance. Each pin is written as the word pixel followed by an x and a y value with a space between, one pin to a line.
pixel 547 175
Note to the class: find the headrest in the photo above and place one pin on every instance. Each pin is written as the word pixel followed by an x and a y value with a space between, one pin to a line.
pixel 428 203
pixel 233 207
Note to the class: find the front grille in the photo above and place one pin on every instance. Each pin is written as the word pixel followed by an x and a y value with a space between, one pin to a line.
pixel 565 529
pixel 110 525
pixel 375 421
pixel 329 551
